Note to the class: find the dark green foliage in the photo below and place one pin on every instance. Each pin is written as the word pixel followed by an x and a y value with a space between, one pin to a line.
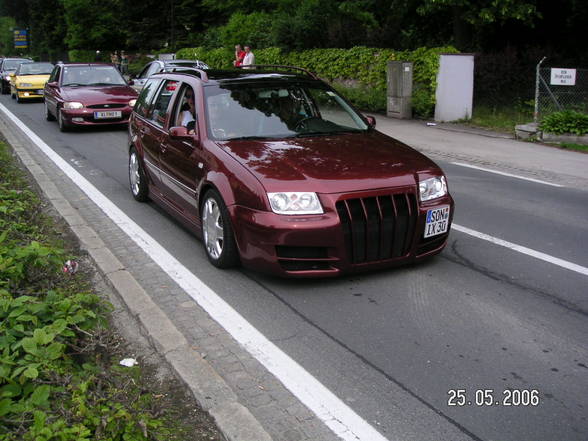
pixel 93 25
pixel 252 29
pixel 566 122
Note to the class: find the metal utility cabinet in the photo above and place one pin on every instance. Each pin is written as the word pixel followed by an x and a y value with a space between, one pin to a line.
pixel 399 79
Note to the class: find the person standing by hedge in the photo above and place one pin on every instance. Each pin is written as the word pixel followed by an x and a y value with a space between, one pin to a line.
pixel 239 55
pixel 124 63
pixel 249 57
pixel 114 59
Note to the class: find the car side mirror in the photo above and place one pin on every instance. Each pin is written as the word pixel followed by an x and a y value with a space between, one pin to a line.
pixel 371 121
pixel 181 133
pixel 52 84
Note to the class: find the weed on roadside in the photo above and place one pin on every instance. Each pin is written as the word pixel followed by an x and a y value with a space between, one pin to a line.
pixel 59 372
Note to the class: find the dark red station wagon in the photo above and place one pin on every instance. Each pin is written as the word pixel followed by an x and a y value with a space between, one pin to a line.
pixel 273 169
pixel 87 95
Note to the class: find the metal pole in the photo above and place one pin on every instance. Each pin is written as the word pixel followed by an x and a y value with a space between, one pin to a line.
pixel 537 73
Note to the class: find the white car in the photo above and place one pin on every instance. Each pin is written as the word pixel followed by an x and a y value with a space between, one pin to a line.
pixel 163 66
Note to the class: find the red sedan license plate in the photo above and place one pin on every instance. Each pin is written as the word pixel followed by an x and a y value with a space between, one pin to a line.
pixel 437 221
pixel 109 114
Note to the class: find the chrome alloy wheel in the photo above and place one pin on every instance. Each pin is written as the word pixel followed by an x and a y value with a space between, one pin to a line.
pixel 134 174
pixel 212 222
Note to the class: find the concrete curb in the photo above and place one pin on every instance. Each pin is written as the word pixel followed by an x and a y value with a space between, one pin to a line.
pixel 235 421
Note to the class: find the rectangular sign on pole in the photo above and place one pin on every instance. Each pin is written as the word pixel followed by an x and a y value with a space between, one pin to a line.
pixel 20 39
pixel 563 77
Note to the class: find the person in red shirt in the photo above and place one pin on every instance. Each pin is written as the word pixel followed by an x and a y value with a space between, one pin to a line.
pixel 239 55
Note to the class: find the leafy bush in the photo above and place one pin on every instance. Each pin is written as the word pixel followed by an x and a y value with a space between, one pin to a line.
pixel 566 122
pixel 365 98
pixel 84 56
pixel 362 65
pixel 57 378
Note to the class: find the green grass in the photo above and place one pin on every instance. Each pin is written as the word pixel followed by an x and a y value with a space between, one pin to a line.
pixel 502 119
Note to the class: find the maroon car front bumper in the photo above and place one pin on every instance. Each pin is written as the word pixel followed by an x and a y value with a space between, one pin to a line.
pixel 357 232
pixel 95 117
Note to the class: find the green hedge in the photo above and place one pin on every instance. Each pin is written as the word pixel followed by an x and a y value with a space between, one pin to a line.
pixel 363 67
pixel 566 122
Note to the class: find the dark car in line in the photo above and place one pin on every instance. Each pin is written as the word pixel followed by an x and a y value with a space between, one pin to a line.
pixel 282 174
pixel 8 66
pixel 90 94
pixel 163 66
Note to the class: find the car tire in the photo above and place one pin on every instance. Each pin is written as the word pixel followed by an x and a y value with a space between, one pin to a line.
pixel 4 89
pixel 137 179
pixel 62 124
pixel 13 95
pixel 18 100
pixel 48 115
pixel 217 233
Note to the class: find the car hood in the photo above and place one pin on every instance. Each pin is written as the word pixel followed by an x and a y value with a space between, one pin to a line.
pixel 331 164
pixel 35 80
pixel 90 95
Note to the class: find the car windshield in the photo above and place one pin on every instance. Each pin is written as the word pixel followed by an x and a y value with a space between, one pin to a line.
pixel 35 69
pixel 12 64
pixel 91 76
pixel 241 111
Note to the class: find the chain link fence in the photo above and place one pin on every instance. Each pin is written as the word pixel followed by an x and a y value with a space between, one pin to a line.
pixel 561 89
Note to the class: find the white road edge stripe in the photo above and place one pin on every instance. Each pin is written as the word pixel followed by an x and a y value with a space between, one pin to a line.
pixel 521 249
pixel 461 164
pixel 339 417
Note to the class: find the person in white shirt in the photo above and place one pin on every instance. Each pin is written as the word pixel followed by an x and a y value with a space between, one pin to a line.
pixel 249 57
pixel 188 112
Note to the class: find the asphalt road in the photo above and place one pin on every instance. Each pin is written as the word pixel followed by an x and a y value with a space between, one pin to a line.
pixel 393 344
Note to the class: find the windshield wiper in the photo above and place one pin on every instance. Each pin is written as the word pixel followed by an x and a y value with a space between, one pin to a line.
pixel 74 84
pixel 104 84
pixel 246 137
pixel 327 132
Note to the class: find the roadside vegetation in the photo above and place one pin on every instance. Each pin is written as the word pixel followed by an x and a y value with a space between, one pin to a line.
pixel 60 377
pixel 500 118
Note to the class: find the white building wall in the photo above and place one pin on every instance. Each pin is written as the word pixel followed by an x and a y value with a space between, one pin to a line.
pixel 455 87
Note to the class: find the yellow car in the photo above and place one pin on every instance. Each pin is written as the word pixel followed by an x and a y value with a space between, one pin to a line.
pixel 28 81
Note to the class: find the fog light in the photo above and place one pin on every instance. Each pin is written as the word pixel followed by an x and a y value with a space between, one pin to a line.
pixel 26 94
pixel 77 119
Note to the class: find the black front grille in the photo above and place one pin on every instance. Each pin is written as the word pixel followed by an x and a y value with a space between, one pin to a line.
pixel 378 228
pixel 106 106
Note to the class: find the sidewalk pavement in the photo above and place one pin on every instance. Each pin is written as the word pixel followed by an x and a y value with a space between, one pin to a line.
pixel 248 403
pixel 488 149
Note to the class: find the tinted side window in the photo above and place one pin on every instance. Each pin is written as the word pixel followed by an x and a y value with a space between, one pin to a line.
pixel 161 103
pixel 146 97
pixel 54 75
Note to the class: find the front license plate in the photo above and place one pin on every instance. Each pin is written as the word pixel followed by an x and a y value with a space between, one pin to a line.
pixel 437 221
pixel 110 114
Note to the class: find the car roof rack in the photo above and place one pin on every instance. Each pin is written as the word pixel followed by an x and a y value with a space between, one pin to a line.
pixel 279 66
pixel 186 69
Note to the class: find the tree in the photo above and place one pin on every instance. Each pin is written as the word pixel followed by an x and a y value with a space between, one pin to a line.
pixel 93 25
pixel 468 14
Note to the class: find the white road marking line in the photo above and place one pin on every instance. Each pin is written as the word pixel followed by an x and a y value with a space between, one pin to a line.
pixel 521 249
pixel 339 417
pixel 461 164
